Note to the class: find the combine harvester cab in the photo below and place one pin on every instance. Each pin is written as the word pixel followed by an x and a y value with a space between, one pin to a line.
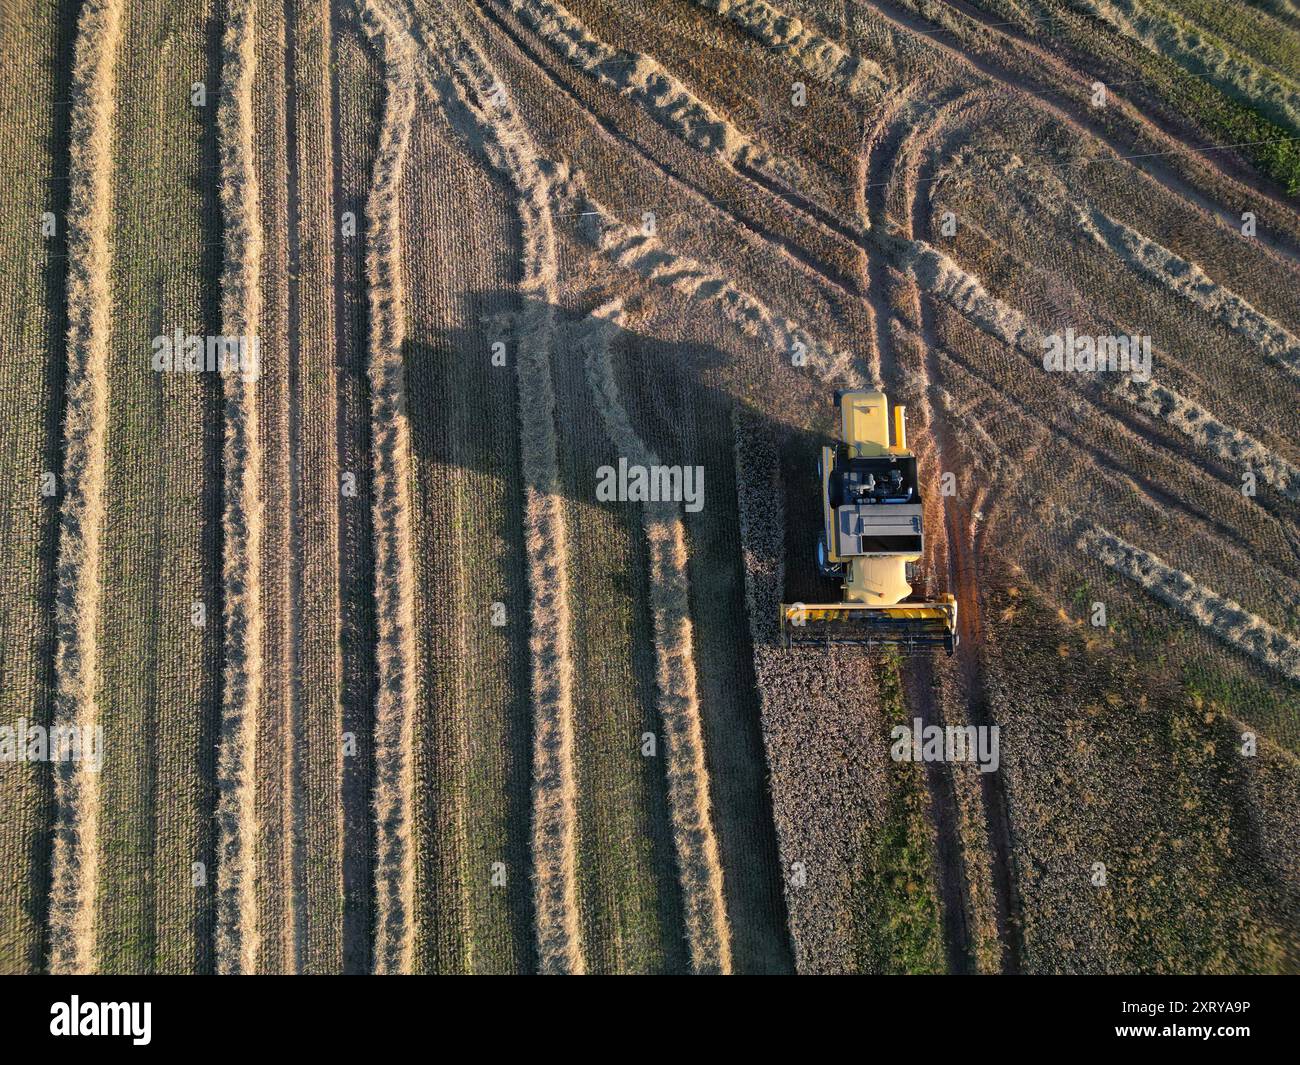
pixel 871 540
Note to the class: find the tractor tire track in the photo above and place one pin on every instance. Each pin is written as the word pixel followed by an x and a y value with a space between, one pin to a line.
pixel 963 582
pixel 356 569
pixel 894 142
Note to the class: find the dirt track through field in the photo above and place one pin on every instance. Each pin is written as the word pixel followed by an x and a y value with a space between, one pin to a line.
pixel 75 859
pixel 891 156
pixel 963 582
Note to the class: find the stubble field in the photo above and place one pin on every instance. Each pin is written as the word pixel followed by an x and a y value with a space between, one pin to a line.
pixel 385 683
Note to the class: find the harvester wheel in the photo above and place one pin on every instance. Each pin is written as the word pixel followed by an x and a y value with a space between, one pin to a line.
pixel 825 566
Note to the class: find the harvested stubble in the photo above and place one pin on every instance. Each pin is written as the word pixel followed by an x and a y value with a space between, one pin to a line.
pixel 1124 477
pixel 1223 617
pixel 1236 378
pixel 395 653
pixel 1171 408
pixel 688 778
pixel 1117 433
pixel 314 755
pixel 278 738
pixel 1004 447
pixel 75 864
pixel 1164 106
pixel 1193 284
pixel 33 353
pixel 1234 447
pixel 464 82
pixel 1041 194
pixel 1193 420
pixel 158 695
pixel 645 81
pixel 647 256
pixel 474 731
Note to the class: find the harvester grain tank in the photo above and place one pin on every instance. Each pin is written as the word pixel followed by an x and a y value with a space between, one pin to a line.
pixel 872 540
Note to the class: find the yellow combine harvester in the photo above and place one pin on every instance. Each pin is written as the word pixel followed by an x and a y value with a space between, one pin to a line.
pixel 871 540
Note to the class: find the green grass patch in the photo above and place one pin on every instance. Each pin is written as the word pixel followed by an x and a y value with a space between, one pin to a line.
pixel 895 905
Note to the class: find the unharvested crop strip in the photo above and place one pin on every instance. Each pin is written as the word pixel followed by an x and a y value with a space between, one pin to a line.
pixel 480 109
pixel 75 859
pixel 804 722
pixel 237 932
pixel 819 56
pixel 395 652
pixel 700 870
pixel 1229 621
